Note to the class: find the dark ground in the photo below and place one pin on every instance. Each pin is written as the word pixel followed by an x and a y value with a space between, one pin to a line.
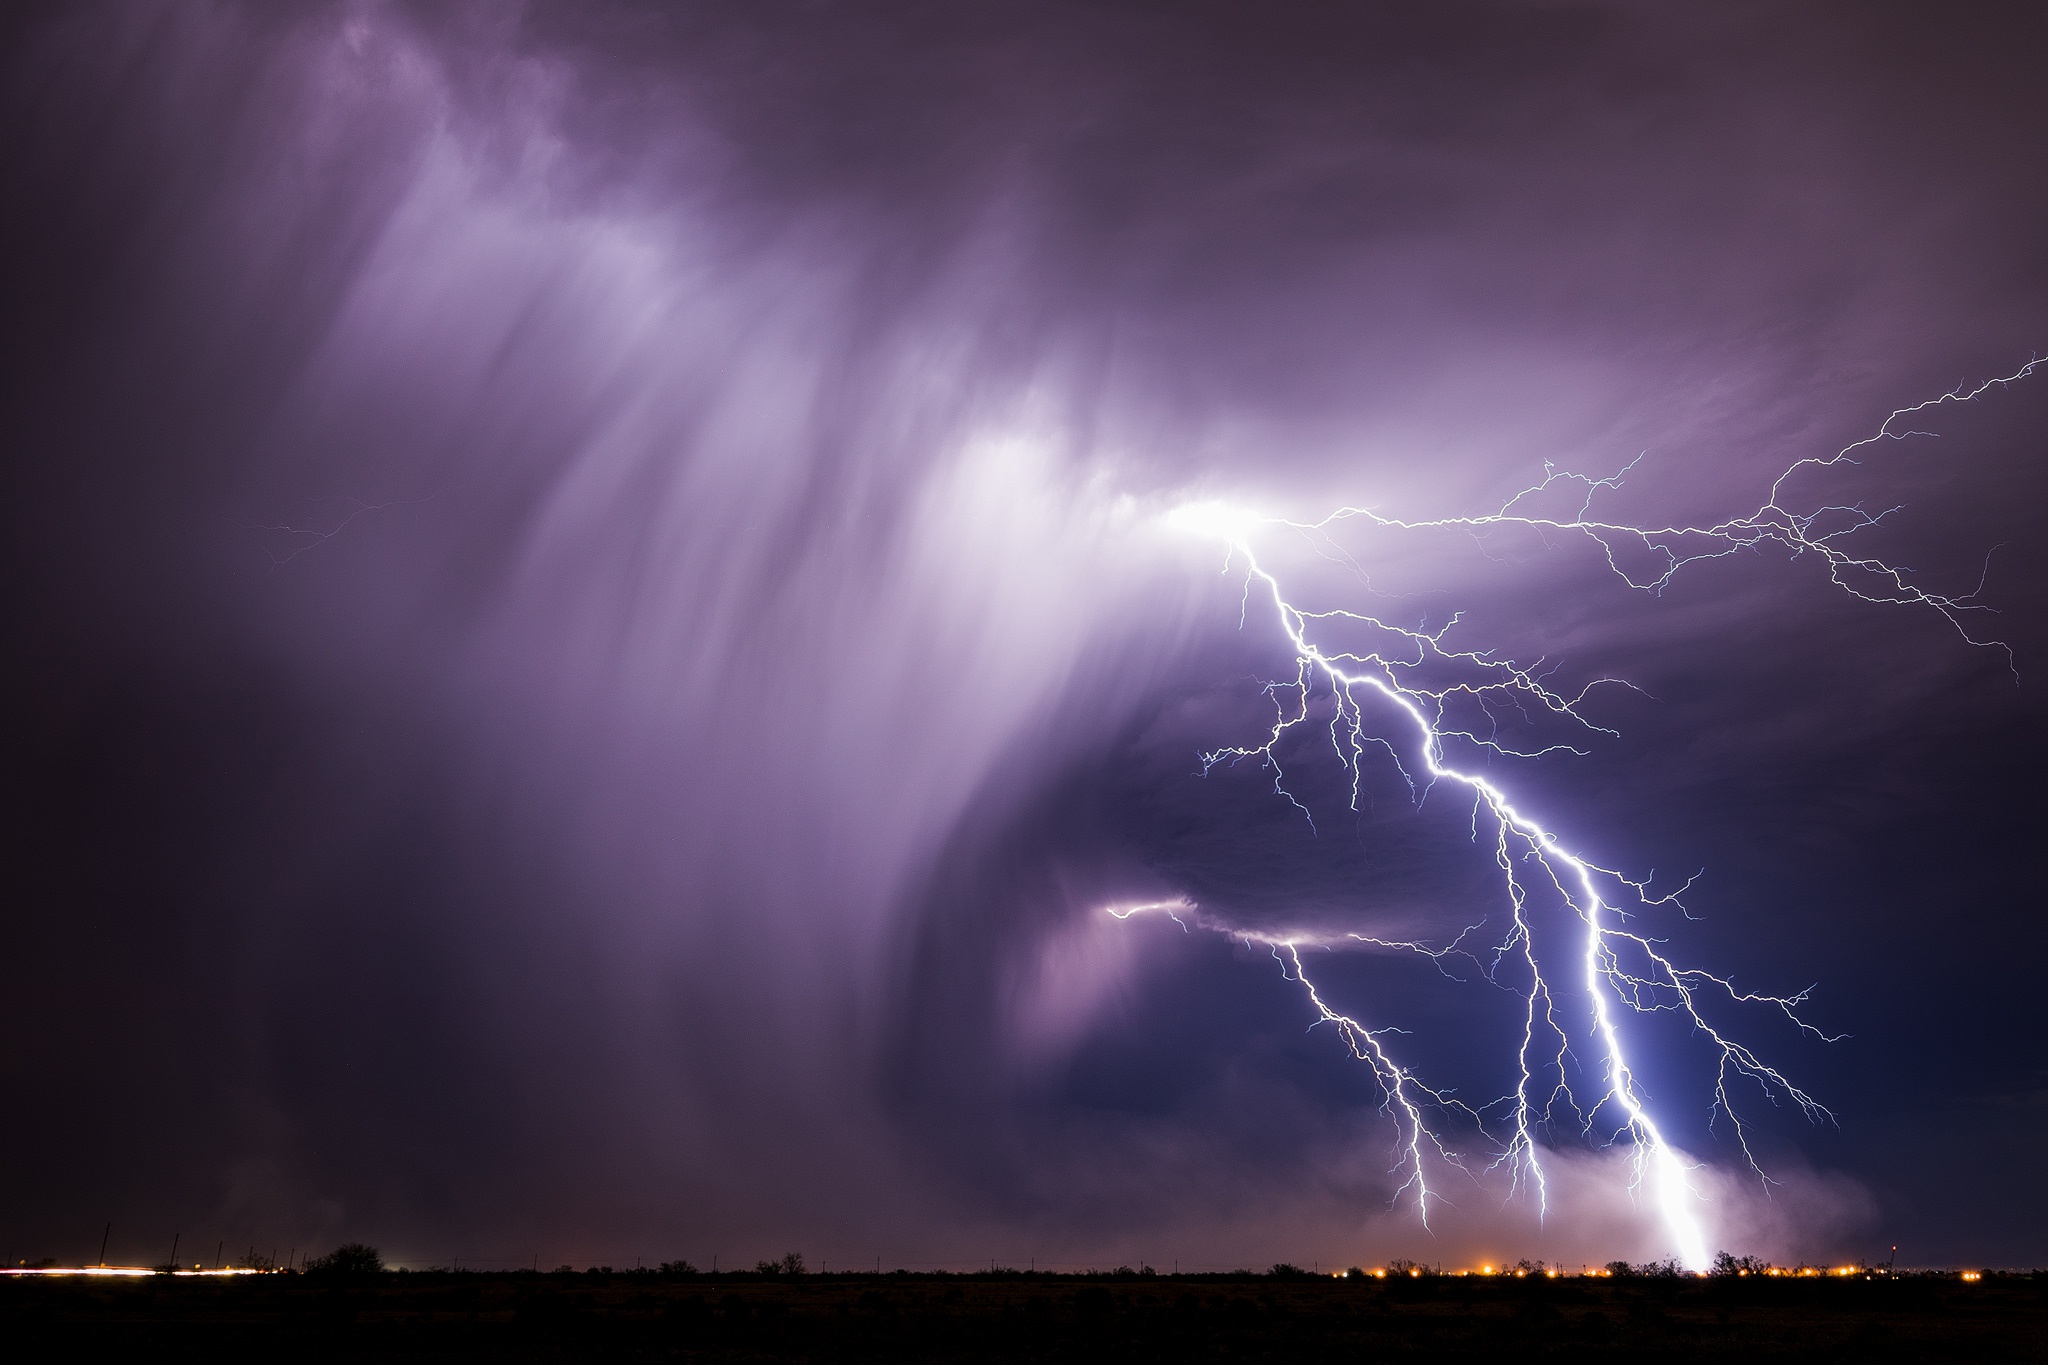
pixel 632 1317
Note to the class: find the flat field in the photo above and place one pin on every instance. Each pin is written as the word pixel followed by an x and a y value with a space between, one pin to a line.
pixel 433 1315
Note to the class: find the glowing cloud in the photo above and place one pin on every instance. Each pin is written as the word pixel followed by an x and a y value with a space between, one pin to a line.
pixel 1215 521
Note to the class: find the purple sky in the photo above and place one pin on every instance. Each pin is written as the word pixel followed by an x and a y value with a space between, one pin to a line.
pixel 590 631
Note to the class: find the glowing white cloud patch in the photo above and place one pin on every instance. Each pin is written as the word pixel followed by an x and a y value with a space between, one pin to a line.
pixel 1064 987
pixel 1439 701
pixel 1214 521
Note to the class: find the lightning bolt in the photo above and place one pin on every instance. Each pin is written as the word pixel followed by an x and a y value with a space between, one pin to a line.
pixel 1437 698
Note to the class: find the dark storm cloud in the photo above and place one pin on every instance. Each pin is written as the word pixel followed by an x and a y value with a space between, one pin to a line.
pixel 592 639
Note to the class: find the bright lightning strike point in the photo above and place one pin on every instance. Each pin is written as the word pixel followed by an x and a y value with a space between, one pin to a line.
pixel 1408 696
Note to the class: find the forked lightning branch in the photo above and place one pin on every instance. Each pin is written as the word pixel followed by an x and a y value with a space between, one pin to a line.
pixel 1428 705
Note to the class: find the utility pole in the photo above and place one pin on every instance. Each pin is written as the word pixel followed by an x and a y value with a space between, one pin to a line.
pixel 103 1242
pixel 174 1249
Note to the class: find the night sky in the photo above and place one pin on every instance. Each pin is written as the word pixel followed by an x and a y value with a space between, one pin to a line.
pixel 590 627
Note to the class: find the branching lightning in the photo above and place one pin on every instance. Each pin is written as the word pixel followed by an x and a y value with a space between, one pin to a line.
pixel 1409 697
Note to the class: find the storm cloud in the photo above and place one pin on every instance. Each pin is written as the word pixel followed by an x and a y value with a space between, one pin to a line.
pixel 591 628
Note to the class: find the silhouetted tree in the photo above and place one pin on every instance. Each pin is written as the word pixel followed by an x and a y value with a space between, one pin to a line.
pixel 1727 1264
